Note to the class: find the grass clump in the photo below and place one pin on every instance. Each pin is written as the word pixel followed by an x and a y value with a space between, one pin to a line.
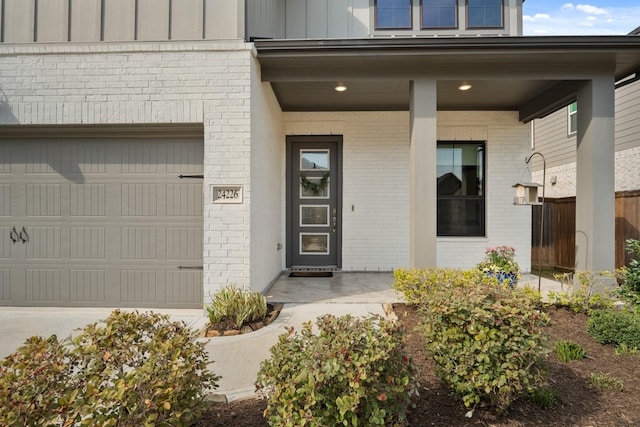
pixel 604 381
pixel 544 397
pixel 568 351
pixel 238 306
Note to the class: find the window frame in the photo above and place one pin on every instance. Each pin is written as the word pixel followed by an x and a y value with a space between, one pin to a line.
pixel 483 197
pixel 375 18
pixel 470 27
pixel 456 23
pixel 570 114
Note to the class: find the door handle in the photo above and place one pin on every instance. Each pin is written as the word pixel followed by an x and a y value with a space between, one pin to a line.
pixel 24 236
pixel 13 235
pixel 335 219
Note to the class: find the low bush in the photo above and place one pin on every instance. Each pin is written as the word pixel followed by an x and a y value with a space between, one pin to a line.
pixel 568 351
pixel 417 285
pixel 544 397
pixel 617 327
pixel 238 306
pixel 630 275
pixel 354 372
pixel 487 342
pixel 132 369
pixel 584 291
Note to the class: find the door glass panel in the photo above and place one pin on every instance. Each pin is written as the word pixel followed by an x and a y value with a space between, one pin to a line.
pixel 315 190
pixel 314 160
pixel 314 243
pixel 314 215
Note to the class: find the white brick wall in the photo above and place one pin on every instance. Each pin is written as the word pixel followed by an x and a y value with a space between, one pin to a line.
pixel 626 169
pixel 125 83
pixel 507 147
pixel 376 155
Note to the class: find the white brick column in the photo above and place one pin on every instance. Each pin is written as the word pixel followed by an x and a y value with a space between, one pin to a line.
pixel 422 175
pixel 595 176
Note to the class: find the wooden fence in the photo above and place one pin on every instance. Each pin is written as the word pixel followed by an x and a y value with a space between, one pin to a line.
pixel 559 240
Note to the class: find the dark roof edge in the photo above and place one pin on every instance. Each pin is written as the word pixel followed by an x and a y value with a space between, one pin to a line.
pixel 451 43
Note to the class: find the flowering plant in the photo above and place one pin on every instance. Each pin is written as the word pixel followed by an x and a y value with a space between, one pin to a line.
pixel 499 258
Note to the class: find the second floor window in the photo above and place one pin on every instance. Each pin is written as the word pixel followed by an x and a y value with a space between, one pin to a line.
pixel 572 118
pixel 439 13
pixel 484 13
pixel 393 14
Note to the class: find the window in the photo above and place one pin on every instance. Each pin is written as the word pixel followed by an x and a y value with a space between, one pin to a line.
pixel 484 13
pixel 439 13
pixel 460 171
pixel 393 14
pixel 572 118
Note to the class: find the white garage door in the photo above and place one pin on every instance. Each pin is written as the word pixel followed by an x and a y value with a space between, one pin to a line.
pixel 101 221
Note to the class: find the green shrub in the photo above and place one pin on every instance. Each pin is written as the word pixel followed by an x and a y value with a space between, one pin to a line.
pixel 237 305
pixel 630 275
pixel 487 342
pixel 602 380
pixel 418 285
pixel 35 386
pixel 615 327
pixel 544 397
pixel 133 369
pixel 355 372
pixel 568 351
pixel 584 291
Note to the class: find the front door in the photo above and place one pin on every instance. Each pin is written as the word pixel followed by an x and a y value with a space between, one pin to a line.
pixel 314 201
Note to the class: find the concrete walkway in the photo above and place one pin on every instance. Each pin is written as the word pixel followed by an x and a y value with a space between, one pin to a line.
pixel 237 358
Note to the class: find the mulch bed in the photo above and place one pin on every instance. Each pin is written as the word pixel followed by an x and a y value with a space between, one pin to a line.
pixel 578 404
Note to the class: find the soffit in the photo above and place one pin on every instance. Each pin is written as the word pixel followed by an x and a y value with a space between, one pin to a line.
pixel 507 73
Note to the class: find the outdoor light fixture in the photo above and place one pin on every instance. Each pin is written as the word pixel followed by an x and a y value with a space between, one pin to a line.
pixel 464 86
pixel 527 194
pixel 340 87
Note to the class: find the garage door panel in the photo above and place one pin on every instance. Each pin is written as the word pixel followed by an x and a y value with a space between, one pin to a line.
pixel 140 158
pixel 184 243
pixel 183 287
pixel 47 158
pixel 5 284
pixel 44 242
pixel 5 200
pixel 43 285
pixel 87 243
pixel 44 199
pixel 139 199
pixel 138 286
pixel 87 200
pixel 5 243
pixel 184 158
pixel 87 286
pixel 184 200
pixel 6 158
pixel 88 158
pixel 139 243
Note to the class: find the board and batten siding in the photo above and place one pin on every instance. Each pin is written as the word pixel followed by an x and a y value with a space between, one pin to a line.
pixel 29 21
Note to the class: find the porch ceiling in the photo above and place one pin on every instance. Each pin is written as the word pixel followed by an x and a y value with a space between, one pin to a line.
pixel 532 75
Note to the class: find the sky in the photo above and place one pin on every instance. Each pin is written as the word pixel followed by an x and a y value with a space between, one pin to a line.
pixel 591 17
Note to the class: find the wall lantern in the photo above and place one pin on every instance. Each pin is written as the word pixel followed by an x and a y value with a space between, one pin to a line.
pixel 526 193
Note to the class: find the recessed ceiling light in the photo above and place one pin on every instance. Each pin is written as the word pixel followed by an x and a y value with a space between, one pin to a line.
pixel 464 86
pixel 340 87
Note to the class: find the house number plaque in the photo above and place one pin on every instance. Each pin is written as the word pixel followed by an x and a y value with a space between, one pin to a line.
pixel 227 193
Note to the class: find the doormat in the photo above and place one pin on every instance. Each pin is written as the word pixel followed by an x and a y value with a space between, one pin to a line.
pixel 311 274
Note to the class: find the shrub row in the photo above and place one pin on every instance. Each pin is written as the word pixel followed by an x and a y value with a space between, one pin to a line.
pixel 133 369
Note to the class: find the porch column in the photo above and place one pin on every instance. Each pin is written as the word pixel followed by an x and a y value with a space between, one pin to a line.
pixel 595 176
pixel 422 175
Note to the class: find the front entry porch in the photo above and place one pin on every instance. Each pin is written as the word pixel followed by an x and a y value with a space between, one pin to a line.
pixel 358 288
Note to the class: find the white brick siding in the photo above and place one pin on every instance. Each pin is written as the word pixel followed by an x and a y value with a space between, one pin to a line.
pixel 626 169
pixel 376 179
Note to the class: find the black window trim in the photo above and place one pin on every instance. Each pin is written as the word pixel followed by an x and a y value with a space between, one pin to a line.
pixel 375 17
pixel 483 222
pixel 454 27
pixel 469 27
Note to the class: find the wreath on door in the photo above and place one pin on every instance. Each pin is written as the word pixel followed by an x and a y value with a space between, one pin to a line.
pixel 315 187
